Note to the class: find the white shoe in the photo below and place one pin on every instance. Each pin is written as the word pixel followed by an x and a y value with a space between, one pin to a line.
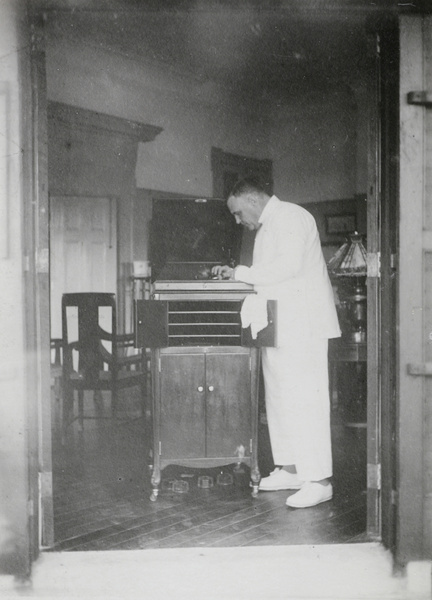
pixel 311 494
pixel 279 479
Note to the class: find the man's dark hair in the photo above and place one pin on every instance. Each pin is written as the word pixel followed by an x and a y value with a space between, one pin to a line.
pixel 248 185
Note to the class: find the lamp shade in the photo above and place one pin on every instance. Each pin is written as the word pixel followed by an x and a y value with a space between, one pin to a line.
pixel 350 260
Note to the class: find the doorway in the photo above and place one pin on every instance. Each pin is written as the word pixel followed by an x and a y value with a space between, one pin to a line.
pixel 372 363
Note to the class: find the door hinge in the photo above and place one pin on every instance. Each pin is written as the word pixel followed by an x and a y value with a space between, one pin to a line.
pixel 373 262
pixel 160 448
pixel 160 364
pixel 420 98
pixel 420 369
pixel 374 476
pixel 250 445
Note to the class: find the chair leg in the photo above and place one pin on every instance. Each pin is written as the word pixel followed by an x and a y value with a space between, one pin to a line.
pixel 98 400
pixel 97 395
pixel 81 409
pixel 143 392
pixel 114 399
pixel 67 410
pixel 57 389
pixel 58 395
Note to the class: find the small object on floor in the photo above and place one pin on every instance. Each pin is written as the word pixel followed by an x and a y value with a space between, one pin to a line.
pixel 310 494
pixel 279 479
pixel 180 487
pixel 224 479
pixel 205 482
pixel 167 485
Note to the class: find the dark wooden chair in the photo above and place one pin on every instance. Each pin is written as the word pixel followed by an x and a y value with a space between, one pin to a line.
pixel 93 357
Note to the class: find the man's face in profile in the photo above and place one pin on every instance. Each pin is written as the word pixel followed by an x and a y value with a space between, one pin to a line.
pixel 243 208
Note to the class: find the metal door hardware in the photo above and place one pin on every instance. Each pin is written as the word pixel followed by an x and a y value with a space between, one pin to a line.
pixel 420 98
pixel 420 369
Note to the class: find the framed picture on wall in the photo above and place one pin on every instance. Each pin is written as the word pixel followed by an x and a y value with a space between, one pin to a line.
pixel 341 223
pixel 228 168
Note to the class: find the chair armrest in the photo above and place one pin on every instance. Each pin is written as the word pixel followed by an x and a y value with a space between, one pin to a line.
pixel 123 342
pixel 126 339
pixel 122 361
pixel 128 361
pixel 121 338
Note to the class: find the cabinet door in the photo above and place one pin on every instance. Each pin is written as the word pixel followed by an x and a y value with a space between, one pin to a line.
pixel 228 391
pixel 182 398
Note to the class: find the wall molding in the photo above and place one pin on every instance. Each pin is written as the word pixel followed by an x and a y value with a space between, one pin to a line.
pixel 83 118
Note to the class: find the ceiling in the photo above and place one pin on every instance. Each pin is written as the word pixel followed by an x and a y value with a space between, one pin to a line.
pixel 280 48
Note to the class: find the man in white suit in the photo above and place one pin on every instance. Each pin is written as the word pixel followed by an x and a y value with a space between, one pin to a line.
pixel 288 266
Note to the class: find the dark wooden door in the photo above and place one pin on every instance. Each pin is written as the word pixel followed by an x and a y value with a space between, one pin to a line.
pixel 414 451
pixel 387 218
pixel 228 391
pixel 382 197
pixel 183 412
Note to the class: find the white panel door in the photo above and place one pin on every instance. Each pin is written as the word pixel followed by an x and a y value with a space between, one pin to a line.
pixel 83 250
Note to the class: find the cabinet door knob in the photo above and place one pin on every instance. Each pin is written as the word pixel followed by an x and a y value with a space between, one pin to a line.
pixel 200 388
pixel 211 388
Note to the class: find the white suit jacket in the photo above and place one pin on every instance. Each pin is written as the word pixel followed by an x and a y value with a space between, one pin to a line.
pixel 288 266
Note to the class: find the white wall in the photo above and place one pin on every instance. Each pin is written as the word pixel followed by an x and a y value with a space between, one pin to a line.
pixel 194 116
pixel 313 143
pixel 314 148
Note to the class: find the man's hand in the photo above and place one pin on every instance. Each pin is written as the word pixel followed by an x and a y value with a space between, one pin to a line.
pixel 223 272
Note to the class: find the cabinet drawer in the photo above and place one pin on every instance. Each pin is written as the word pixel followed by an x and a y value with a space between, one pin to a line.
pixel 164 323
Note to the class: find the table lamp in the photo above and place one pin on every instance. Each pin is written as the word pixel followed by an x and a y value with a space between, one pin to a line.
pixel 350 261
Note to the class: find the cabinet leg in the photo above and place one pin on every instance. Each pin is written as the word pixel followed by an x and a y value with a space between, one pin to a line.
pixel 155 481
pixel 255 479
pixel 254 490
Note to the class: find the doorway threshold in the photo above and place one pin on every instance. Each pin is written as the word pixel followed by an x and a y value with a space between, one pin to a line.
pixel 336 571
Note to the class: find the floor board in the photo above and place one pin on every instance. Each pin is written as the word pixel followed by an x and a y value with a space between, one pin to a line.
pixel 101 486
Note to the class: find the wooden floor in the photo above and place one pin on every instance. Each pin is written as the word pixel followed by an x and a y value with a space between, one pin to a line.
pixel 102 489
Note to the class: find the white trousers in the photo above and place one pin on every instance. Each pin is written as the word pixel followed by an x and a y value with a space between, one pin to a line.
pixel 298 406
